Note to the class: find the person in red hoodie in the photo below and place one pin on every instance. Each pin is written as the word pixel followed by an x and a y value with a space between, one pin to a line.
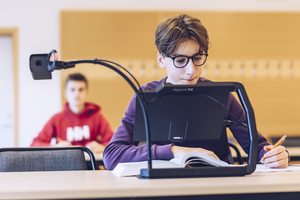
pixel 80 122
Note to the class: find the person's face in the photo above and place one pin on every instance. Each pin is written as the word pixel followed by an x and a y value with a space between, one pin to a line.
pixel 187 75
pixel 76 93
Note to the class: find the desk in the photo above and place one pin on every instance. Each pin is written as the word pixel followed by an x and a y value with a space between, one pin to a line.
pixel 103 184
pixel 294 153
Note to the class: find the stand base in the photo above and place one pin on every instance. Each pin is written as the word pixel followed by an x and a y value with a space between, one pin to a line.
pixel 193 172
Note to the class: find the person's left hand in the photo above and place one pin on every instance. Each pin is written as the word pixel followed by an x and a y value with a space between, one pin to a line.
pixel 276 158
pixel 95 147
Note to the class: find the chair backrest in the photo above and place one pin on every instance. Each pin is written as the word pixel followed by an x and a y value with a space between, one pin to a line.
pixel 44 159
pixel 238 154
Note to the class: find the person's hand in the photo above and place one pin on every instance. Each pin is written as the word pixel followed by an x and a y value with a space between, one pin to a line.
pixel 63 143
pixel 276 158
pixel 179 151
pixel 95 147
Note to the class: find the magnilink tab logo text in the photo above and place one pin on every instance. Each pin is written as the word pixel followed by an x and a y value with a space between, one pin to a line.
pixel 183 89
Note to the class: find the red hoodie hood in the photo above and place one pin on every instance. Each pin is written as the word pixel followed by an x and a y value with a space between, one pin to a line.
pixel 89 109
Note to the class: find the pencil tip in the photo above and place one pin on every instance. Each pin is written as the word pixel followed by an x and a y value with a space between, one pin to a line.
pixel 261 160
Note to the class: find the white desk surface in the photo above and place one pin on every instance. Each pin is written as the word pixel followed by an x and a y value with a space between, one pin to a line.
pixel 293 151
pixel 103 184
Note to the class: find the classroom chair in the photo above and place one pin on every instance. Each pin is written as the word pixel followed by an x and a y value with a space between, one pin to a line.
pixel 45 159
pixel 238 154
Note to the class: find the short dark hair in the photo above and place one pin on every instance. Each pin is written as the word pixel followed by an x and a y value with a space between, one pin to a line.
pixel 175 30
pixel 77 77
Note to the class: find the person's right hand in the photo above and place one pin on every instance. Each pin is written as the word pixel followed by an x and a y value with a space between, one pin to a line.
pixel 63 144
pixel 179 151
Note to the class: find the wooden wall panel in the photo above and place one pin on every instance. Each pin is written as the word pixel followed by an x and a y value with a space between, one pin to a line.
pixel 109 35
pixel 253 35
pixel 130 35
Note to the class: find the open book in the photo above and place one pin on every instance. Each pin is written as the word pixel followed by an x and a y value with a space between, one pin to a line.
pixel 191 159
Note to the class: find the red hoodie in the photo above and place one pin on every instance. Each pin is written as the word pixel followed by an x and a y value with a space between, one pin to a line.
pixel 79 129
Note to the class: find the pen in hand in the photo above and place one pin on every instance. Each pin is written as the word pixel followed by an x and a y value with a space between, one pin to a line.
pixel 275 145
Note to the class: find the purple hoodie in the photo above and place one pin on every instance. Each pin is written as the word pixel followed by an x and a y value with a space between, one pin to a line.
pixel 122 148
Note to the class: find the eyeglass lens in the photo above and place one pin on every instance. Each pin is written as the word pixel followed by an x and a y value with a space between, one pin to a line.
pixel 182 61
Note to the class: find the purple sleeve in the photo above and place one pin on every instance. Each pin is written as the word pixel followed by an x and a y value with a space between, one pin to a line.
pixel 122 148
pixel 240 133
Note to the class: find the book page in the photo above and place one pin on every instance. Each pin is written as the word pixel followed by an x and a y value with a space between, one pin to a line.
pixel 133 168
pixel 261 168
pixel 200 157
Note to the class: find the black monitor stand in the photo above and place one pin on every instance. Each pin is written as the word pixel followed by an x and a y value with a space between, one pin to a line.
pixel 211 94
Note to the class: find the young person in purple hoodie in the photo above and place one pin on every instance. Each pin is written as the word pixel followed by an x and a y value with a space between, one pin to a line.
pixel 182 42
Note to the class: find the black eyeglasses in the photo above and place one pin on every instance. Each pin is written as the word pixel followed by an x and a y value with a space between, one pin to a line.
pixel 182 61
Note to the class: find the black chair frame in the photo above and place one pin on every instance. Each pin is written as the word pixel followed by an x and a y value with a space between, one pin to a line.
pixel 238 154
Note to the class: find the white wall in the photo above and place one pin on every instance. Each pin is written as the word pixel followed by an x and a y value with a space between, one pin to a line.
pixel 38 24
pixel 6 87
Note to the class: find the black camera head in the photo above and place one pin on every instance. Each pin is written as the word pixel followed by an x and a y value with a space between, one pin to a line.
pixel 39 67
